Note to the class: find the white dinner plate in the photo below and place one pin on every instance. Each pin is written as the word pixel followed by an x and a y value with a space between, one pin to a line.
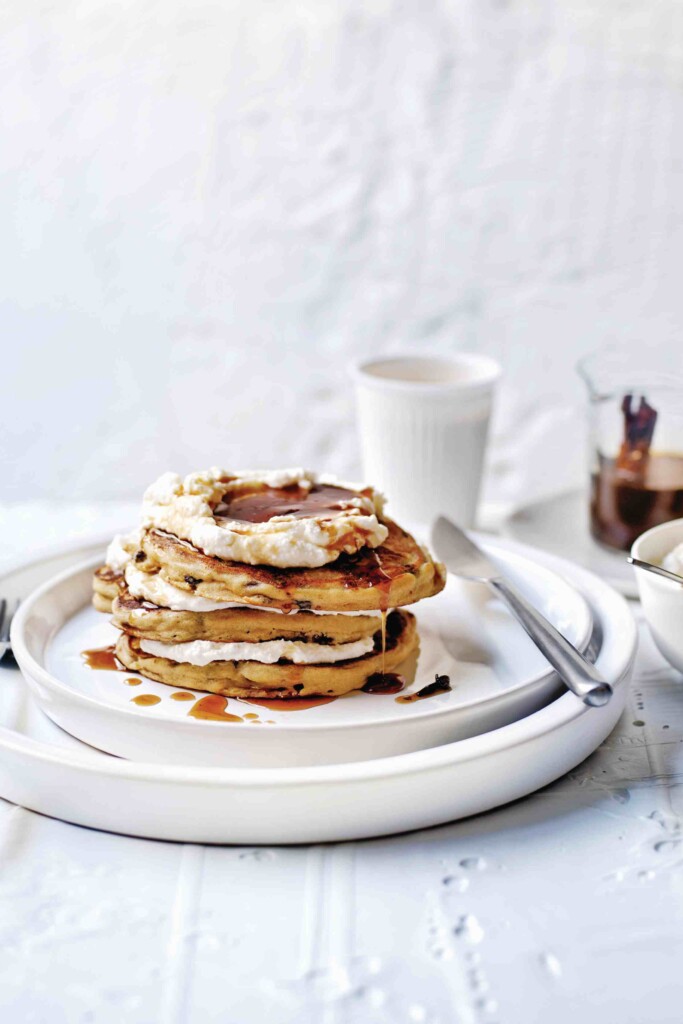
pixel 47 770
pixel 496 674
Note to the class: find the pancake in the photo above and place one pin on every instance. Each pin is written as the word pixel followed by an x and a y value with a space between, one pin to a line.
pixel 398 572
pixel 236 625
pixel 283 679
pixel 106 584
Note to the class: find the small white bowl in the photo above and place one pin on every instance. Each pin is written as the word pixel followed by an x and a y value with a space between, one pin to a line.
pixel 662 599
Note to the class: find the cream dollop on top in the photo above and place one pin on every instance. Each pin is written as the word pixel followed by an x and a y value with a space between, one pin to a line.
pixel 184 508
pixel 674 560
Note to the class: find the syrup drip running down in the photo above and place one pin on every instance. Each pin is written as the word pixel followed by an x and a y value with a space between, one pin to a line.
pixel 441 684
pixel 146 700
pixel 382 581
pixel 103 658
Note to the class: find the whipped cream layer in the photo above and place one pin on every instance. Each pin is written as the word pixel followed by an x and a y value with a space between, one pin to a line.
pixel 674 560
pixel 122 549
pixel 203 652
pixel 187 509
pixel 154 588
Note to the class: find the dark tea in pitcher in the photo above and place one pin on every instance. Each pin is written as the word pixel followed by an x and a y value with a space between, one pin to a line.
pixel 638 489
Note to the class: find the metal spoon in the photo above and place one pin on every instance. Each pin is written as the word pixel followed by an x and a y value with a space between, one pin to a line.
pixel 657 569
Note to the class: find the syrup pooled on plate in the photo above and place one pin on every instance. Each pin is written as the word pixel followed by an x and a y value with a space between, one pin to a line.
pixel 384 682
pixel 103 658
pixel 146 700
pixel 441 684
pixel 212 708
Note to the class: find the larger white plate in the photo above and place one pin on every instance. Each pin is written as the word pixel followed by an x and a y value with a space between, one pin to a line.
pixel 43 768
pixel 496 672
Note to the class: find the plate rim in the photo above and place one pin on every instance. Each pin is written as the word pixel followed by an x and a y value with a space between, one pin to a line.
pixel 123 712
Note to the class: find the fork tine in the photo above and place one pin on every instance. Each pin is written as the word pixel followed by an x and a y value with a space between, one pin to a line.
pixel 14 611
pixel 6 616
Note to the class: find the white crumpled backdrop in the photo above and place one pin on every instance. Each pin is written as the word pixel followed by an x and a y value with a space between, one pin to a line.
pixel 210 210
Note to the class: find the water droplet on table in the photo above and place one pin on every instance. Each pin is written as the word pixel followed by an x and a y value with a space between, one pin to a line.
pixel 469 929
pixel 550 963
pixel 456 883
pixel 666 844
pixel 473 864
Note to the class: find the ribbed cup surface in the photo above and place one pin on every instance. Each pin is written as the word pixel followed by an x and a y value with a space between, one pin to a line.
pixel 425 452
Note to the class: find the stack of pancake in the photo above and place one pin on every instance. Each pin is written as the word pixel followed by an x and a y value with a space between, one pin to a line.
pixel 265 585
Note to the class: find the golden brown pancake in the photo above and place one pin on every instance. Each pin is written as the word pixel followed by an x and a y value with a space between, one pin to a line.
pixel 283 679
pixel 106 584
pixel 396 573
pixel 236 625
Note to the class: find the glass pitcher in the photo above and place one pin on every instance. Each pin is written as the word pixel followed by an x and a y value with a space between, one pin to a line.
pixel 635 446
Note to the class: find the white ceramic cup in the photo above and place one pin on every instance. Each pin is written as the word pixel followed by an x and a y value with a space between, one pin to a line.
pixel 423 428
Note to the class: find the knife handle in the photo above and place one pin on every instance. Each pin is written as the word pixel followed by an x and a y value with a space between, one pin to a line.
pixel 575 671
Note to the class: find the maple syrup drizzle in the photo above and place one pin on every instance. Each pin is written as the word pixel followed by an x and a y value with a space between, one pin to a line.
pixel 146 700
pixel 382 580
pixel 213 708
pixel 133 682
pixel 183 695
pixel 264 504
pixel 441 684
pixel 103 658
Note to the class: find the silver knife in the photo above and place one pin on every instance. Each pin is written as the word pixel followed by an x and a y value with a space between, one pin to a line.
pixel 463 558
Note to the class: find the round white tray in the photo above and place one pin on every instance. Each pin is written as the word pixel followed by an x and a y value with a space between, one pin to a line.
pixel 48 771
pixel 559 526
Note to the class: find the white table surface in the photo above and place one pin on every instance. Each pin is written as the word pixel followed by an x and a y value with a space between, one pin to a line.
pixel 567 905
